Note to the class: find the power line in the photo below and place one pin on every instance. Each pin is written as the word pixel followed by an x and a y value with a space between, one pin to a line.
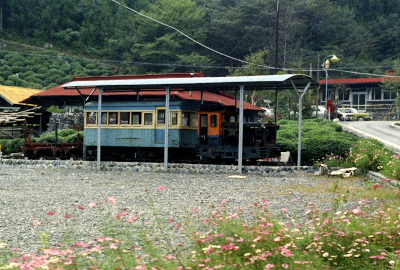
pixel 187 36
pixel 206 66
pixel 228 56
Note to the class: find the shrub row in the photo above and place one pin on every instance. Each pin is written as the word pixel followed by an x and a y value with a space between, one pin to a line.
pixel 319 138
pixel 46 71
pixel 64 136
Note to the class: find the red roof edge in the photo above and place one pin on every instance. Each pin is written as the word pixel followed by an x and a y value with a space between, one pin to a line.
pixel 352 81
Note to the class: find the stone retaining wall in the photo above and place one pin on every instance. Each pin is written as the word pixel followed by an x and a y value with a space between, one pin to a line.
pixel 156 167
pixel 60 121
pixel 379 178
pixel 181 168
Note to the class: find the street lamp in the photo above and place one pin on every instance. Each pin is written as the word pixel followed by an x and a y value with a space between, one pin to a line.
pixel 325 65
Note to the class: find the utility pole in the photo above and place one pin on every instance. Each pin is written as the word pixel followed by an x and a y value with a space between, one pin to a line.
pixel 277 37
pixel 1 15
pixel 276 57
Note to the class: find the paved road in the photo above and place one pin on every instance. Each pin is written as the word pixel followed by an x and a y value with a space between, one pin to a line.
pixel 385 131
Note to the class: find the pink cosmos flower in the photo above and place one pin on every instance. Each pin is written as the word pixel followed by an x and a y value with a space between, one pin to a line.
pixel 131 219
pixel 51 213
pixel 377 186
pixel 37 223
pixel 112 200
pixel 161 187
pixel 67 216
pixel 121 215
pixel 81 207
pixel 230 246
pixel 104 239
pixel 51 251
pixel 113 245
pixel 92 204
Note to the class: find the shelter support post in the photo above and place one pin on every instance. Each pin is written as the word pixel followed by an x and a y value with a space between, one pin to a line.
pixel 240 144
pixel 300 94
pixel 276 105
pixel 99 128
pixel 166 139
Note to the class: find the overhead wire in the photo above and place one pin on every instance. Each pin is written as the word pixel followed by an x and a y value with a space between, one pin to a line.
pixel 206 66
pixel 215 51
pixel 188 37
pixel 231 57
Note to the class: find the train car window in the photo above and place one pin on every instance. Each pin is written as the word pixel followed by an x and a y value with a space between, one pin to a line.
pixel 91 118
pixel 160 116
pixel 148 119
pixel 186 119
pixel 203 130
pixel 214 120
pixel 174 118
pixel 194 120
pixel 104 118
pixel 124 118
pixel 136 118
pixel 203 121
pixel 113 118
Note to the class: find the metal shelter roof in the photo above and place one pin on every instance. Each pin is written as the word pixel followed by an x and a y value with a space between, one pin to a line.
pixel 264 82
pixel 300 83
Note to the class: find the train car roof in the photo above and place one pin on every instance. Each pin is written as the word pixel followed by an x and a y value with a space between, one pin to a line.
pixel 264 82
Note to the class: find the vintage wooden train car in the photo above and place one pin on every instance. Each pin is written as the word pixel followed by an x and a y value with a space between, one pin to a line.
pixel 135 130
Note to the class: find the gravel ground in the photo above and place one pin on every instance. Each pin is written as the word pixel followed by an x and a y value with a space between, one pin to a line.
pixel 29 195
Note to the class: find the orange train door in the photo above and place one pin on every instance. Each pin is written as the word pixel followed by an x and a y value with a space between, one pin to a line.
pixel 210 126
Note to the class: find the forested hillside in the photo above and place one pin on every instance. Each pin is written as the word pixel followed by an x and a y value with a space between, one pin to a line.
pixel 142 36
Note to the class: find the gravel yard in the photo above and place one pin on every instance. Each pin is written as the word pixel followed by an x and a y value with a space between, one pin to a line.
pixel 59 199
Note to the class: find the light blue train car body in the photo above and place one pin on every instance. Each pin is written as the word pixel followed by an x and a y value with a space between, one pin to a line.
pixel 131 125
pixel 135 130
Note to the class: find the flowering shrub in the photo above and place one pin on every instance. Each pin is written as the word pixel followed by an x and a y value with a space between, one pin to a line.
pixel 333 160
pixel 364 237
pixel 369 155
pixel 392 167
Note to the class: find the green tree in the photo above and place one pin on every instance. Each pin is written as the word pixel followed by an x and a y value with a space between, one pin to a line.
pixel 237 28
pixel 386 41
pixel 367 10
pixel 256 65
pixel 157 43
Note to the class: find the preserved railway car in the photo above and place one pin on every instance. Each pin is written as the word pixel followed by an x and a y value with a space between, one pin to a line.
pixel 135 130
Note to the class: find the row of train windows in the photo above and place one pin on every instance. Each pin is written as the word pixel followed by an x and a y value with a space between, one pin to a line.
pixel 177 118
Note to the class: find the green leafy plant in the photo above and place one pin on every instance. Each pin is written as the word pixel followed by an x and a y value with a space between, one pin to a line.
pixel 64 136
pixel 392 168
pixel 368 154
pixel 319 139
pixel 12 146
pixel 55 109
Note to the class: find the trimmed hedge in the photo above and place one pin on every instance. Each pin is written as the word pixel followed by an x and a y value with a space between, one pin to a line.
pixel 319 139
